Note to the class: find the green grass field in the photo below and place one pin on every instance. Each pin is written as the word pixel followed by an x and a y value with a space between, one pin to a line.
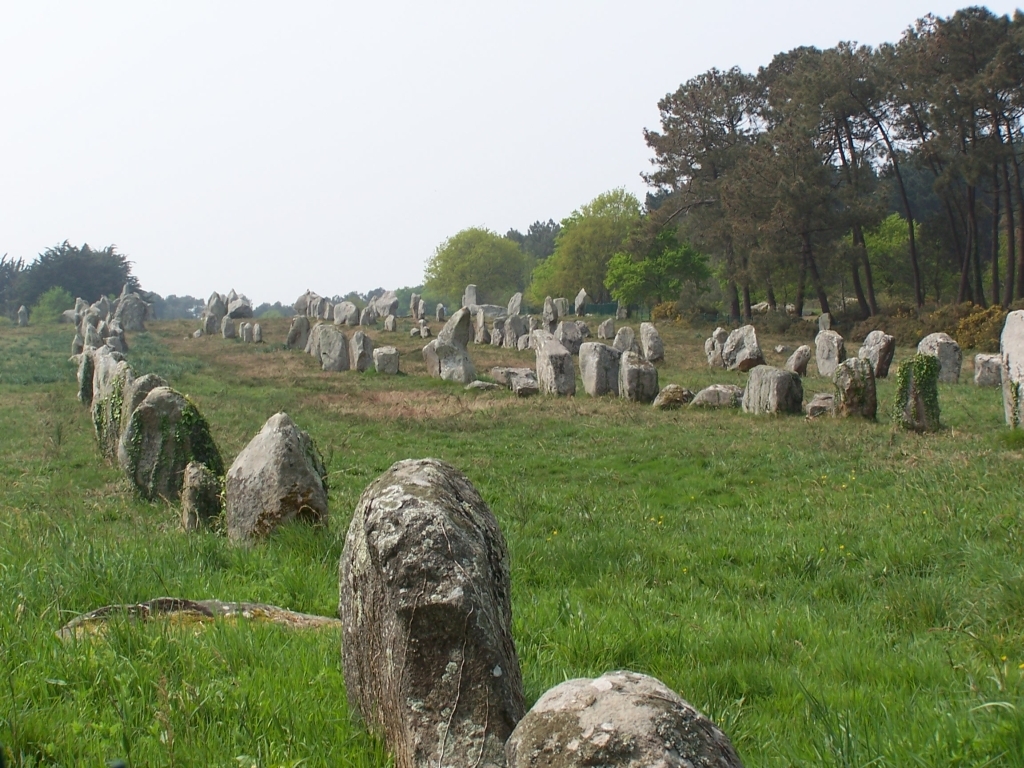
pixel 830 592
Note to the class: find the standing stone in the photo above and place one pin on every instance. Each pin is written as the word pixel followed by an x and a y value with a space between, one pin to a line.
pixel 651 344
pixel 391 323
pixel 569 336
pixel 298 333
pixel 227 327
pixel 200 496
pixel 209 324
pixel 622 312
pixel 131 313
pixel 164 434
pixel 239 308
pixel 469 297
pixel 278 477
pixel 216 306
pixel 78 343
pixel 360 352
pixel 385 360
pixel 917 394
pixel 439 313
pixel 829 352
pixel 333 348
pixel 245 333
pixel 599 368
pixel 797 362
pixel 327 312
pixel 498 333
pixel 549 315
pixel 346 313
pixel 315 309
pixel 93 339
pixel 424 329
pixel 414 333
pixel 22 317
pixel 625 340
pixel 481 334
pixel 422 310
pixel 368 316
pixel 446 356
pixel 425 602
pixel 414 306
pixel 878 349
pixel 580 304
pixel 824 322
pixel 988 370
pixel 621 719
pixel 315 344
pixel 523 342
pixel 672 397
pixel 1011 350
pixel 86 371
pixel 606 330
pixel 741 351
pixel 942 346
pixel 257 334
pixel 718 396
pixel 385 304
pixel 515 304
pixel 112 378
pixel 533 324
pixel 584 329
pixel 855 388
pixel 638 378
pixel 561 308
pixel 556 373
pixel 514 328
pixel 771 390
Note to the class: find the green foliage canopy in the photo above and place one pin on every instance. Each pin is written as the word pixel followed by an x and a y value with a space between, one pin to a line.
pixel 480 257
pixel 82 272
pixel 659 275
pixel 52 304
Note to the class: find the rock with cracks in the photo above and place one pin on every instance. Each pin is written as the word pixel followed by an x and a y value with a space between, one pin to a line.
pixel 427 650
pixel 200 496
pixel 855 389
pixel 650 343
pixel 556 373
pixel 671 397
pixel 619 720
pixel 599 368
pixel 741 351
pixel 772 390
pixel 718 396
pixel 797 362
pixel 878 349
pixel 829 352
pixel 278 477
pixel 447 356
pixel 638 378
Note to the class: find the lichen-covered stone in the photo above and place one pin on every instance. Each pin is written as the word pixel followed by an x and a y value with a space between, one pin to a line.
pixel 673 396
pixel 447 356
pixel 165 433
pixel 332 347
pixel 425 603
pixel 619 720
pixel 569 336
pixel 606 330
pixel 718 396
pixel 599 368
pixel 200 496
pixel 917 394
pixel 277 478
pixel 346 313
pixel 829 352
pixel 625 340
pixel 741 352
pixel 638 378
pixel 772 390
pixel 855 388
pixel 111 380
pixel 943 347
pixel 556 373
pixel 360 352
pixel 878 349
pixel 503 375
pixel 650 343
pixel 822 404
pixel 797 362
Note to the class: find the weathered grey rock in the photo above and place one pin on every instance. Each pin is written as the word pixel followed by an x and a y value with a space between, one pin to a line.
pixel 584 329
pixel 315 344
pixel 480 333
pixel 93 340
pixel 102 306
pixel 298 333
pixel 549 316
pixel 327 311
pixel 360 352
pixel 430 358
pixel 580 303
pixel 231 296
pixel 164 434
pixel 569 336
pixel 315 310
pixel 278 477
pixel 469 296
pixel 917 394
pixel 131 313
pixel 824 322
pixel 503 375
pixel 245 333
pixel 741 351
pixel 556 373
pixel 346 313
pixel 523 382
pixel 781 349
pixel 215 306
pixel 421 310
pixel 414 306
pixel 625 340
pixel 368 317
pixel 988 370
pixel 414 332
pixel 69 316
pixel 622 312
pixel 523 342
pixel 942 346
pixel 333 352
pixel 481 386
pixel 638 378
pixel 111 378
pixel 301 304
pixel 673 396
pixel 227 327
pixel 797 362
pixel 650 343
pixel 599 368
pixel 427 648
pixel 200 496
pixel 718 396
pixel 1011 351
pixel 135 391
pixel 513 328
pixel 498 333
pixel 240 308
pixel 86 371
pixel 439 314
pixel 772 390
pixel 449 350
pixel 534 324
pixel 424 330
pixel 621 720
pixel 22 317
pixel 385 304
pixel 385 360
pixel 855 388
pixel 713 347
pixel 822 404
pixel 209 324
pixel 391 323
pixel 561 307
pixel 257 333
pixel 829 352
pixel 515 304
pixel 78 344
pixel 878 349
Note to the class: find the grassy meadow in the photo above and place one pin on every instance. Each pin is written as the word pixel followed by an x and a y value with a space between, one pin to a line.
pixel 830 592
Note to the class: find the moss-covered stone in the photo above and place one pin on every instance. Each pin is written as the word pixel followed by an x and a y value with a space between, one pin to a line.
pixel 917 394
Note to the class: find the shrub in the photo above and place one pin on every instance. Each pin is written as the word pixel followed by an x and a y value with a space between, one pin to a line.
pixel 667 310
pixel 52 304
pixel 980 330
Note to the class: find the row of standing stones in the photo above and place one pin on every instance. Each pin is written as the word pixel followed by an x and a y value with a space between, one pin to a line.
pixel 423 582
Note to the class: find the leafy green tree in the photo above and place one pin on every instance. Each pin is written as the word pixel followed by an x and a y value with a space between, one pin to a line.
pixel 480 257
pixel 588 239
pixel 657 276
pixel 52 304
pixel 539 240
pixel 82 272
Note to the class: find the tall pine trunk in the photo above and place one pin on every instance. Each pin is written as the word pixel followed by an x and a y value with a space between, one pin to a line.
pixel 996 297
pixel 1011 249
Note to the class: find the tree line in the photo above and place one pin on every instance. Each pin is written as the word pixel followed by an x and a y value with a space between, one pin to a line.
pixel 886 174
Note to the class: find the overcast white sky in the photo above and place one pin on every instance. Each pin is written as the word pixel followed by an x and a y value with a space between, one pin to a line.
pixel 271 147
